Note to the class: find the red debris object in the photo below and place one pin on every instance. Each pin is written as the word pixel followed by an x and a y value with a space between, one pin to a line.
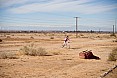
pixel 87 55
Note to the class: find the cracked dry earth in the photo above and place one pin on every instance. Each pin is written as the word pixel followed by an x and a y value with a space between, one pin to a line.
pixel 66 64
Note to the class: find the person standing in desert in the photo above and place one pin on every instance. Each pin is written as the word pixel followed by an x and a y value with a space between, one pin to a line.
pixel 66 42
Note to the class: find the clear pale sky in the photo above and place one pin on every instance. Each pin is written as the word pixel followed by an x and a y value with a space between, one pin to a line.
pixel 58 14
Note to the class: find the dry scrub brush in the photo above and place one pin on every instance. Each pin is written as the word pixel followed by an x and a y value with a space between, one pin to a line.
pixel 113 35
pixel 113 55
pixel 51 37
pixel 8 55
pixel 33 50
pixel 0 40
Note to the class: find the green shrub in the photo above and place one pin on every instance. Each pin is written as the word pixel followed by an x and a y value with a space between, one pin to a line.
pixel 113 55
pixel 33 51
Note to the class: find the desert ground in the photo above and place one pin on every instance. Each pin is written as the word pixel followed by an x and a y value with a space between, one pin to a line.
pixel 59 62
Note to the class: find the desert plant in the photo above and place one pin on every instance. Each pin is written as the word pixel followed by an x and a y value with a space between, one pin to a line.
pixel 113 35
pixel 51 37
pixel 12 35
pixel 33 51
pixel 8 55
pixel 115 40
pixel 24 50
pixel 3 56
pixel 31 37
pixel 41 52
pixel 8 37
pixel 81 35
pixel 56 53
pixel 113 55
pixel 0 40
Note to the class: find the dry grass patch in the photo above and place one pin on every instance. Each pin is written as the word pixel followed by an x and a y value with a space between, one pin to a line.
pixel 51 37
pixel 56 53
pixel 31 37
pixel 113 55
pixel 8 55
pixel 115 40
pixel 33 50
pixel 0 40
pixel 113 35
pixel 8 36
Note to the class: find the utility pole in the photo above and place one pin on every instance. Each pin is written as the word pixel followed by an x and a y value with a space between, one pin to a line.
pixel 115 25
pixel 113 30
pixel 76 26
pixel 99 30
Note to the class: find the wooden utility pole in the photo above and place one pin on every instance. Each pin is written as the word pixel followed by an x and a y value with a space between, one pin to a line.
pixel 115 25
pixel 76 26
pixel 113 30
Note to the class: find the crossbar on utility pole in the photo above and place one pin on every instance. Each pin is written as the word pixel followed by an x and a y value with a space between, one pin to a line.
pixel 76 26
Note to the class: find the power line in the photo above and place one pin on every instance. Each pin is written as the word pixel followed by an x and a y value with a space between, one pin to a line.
pixel 36 24
pixel 34 21
pixel 7 19
pixel 39 12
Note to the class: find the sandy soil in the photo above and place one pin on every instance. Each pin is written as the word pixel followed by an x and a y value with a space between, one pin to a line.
pixel 65 64
pixel 112 74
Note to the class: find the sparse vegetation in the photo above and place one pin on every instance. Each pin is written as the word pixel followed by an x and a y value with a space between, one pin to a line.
pixel 8 37
pixel 51 37
pixel 8 55
pixel 113 35
pixel 0 40
pixel 56 53
pixel 47 54
pixel 33 51
pixel 81 35
pixel 115 40
pixel 31 37
pixel 113 55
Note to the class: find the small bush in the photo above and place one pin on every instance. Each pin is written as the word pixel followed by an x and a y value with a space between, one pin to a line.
pixel 113 55
pixel 51 37
pixel 3 56
pixel 113 35
pixel 0 40
pixel 8 55
pixel 31 37
pixel 56 53
pixel 8 37
pixel 33 51
pixel 81 35
pixel 41 52
pixel 115 40
pixel 12 35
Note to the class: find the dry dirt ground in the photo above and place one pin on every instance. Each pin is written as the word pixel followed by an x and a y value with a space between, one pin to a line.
pixel 60 62
pixel 112 74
